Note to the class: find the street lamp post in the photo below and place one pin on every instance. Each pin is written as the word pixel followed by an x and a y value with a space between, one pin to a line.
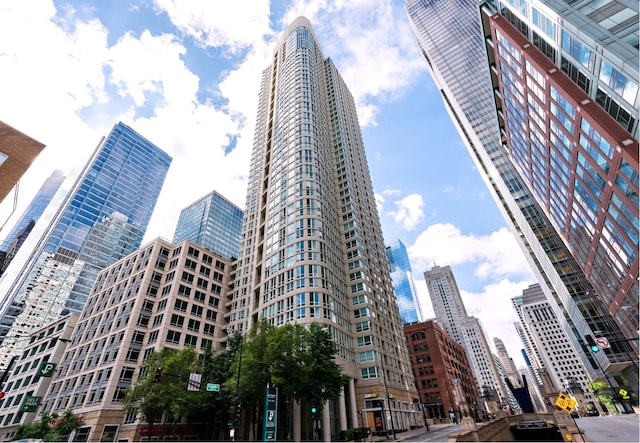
pixel 386 393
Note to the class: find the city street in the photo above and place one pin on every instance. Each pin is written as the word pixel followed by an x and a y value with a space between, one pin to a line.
pixel 614 428
pixel 611 428
pixel 436 433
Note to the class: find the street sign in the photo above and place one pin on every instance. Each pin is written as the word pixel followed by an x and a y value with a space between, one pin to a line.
pixel 565 402
pixel 624 394
pixel 602 342
pixel 46 369
pixel 270 414
pixel 213 387
pixel 30 404
pixel 194 381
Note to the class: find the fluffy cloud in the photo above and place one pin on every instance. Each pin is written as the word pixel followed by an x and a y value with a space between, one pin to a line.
pixel 232 25
pixel 409 211
pixel 495 255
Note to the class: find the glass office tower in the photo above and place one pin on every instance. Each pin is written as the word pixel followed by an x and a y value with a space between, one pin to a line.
pixel 212 222
pixel 31 215
pixel 312 249
pixel 403 285
pixel 103 219
pixel 572 286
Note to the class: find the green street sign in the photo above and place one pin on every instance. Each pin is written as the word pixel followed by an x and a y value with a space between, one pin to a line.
pixel 46 369
pixel 30 404
pixel 213 387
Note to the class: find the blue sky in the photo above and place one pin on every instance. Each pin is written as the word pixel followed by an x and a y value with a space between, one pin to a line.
pixel 185 74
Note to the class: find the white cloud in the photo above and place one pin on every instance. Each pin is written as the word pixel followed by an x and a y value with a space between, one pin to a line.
pixel 495 255
pixel 409 212
pixel 350 32
pixel 232 25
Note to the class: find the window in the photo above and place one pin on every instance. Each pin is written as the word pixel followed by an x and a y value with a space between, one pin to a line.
pixel 209 329
pixel 193 325
pixel 177 320
pixel 190 340
pixel 181 305
pixel 196 310
pixel 369 373
pixel 173 336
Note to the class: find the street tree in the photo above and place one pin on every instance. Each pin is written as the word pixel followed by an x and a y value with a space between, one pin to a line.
pixel 161 388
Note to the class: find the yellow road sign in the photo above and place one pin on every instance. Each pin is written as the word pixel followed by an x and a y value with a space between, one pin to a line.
pixel 565 402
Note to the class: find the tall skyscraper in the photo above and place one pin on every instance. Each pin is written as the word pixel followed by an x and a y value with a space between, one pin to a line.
pixel 31 215
pixel 212 222
pixel 403 285
pixel 17 152
pixel 507 363
pixel 553 350
pixel 103 219
pixel 312 248
pixel 451 315
pixel 551 123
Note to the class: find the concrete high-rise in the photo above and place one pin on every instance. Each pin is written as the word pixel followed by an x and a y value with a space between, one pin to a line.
pixel 163 295
pixel 452 316
pixel 312 249
pixel 103 218
pixel 551 123
pixel 403 285
pixel 553 351
pixel 212 222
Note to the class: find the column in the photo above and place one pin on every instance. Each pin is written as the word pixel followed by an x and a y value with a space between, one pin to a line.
pixel 342 410
pixel 326 422
pixel 354 405
pixel 296 421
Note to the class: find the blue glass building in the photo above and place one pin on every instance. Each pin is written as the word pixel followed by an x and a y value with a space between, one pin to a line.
pixel 31 215
pixel 403 284
pixel 212 222
pixel 103 218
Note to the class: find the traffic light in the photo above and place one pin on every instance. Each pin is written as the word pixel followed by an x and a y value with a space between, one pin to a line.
pixel 156 378
pixel 236 416
pixel 592 343
pixel 314 408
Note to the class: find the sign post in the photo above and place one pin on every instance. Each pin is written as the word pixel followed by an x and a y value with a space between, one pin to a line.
pixel 30 404
pixel 270 414
pixel 46 369
pixel 565 402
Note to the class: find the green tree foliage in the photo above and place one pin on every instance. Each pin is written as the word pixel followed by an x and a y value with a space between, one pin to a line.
pixel 299 361
pixel 51 427
pixel 168 397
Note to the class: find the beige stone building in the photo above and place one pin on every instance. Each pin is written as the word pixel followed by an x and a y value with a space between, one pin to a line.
pixel 312 249
pixel 163 295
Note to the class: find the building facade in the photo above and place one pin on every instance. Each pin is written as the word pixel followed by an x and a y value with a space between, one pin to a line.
pixel 466 330
pixel 311 248
pixel 443 375
pixel 103 218
pixel 23 227
pixel 572 285
pixel 163 295
pixel 403 284
pixel 31 374
pixel 553 350
pixel 212 222
pixel 16 155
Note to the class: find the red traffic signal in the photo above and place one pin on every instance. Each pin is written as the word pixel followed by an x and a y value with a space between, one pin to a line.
pixel 156 378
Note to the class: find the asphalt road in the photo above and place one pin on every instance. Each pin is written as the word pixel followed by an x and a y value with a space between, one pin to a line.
pixel 611 428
